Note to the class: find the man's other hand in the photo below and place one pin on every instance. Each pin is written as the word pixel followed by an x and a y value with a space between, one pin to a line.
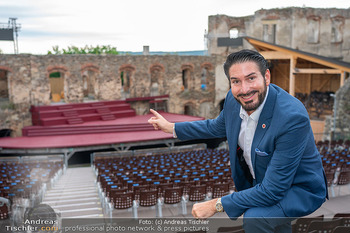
pixel 204 210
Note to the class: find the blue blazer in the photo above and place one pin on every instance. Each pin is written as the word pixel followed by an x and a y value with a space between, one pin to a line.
pixel 287 165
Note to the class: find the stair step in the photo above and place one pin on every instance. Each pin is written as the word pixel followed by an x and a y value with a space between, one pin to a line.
pixel 81 201
pixel 103 110
pixel 65 107
pixel 108 117
pixel 97 104
pixel 70 113
pixel 75 121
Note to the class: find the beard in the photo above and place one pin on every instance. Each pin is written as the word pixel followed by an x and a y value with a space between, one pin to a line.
pixel 251 106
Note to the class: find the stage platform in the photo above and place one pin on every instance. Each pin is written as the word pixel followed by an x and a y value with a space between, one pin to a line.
pixel 119 134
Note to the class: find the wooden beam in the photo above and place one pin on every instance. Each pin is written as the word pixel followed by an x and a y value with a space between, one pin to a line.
pixel 274 55
pixel 342 78
pixel 316 71
pixel 293 62
pixel 295 53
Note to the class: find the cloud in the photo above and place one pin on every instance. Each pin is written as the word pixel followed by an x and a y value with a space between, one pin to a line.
pixel 127 24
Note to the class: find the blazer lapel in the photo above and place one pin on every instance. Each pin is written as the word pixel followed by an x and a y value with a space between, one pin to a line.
pixel 264 121
pixel 233 125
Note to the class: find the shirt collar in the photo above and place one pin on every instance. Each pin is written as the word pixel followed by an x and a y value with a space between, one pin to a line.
pixel 256 114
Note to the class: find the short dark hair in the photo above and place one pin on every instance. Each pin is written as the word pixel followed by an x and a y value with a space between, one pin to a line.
pixel 244 56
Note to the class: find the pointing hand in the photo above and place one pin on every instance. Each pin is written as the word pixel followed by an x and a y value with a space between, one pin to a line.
pixel 160 123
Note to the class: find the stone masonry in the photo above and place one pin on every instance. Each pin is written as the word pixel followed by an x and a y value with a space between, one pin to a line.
pixel 195 84
pixel 28 82
pixel 324 32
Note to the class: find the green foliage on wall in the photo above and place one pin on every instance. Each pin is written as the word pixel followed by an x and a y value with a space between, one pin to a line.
pixel 105 49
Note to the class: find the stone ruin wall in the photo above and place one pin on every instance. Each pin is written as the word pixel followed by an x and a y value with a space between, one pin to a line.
pixel 28 81
pixel 292 30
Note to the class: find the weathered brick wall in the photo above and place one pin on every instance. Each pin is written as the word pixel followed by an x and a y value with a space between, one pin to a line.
pixel 14 117
pixel 28 81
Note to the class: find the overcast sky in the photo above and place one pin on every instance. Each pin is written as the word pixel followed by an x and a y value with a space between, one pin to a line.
pixel 128 25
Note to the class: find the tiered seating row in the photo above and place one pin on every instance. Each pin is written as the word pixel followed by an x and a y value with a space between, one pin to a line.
pixel 80 112
pixel 33 131
pixel 193 176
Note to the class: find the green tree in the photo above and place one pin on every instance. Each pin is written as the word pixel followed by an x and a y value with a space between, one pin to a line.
pixel 105 49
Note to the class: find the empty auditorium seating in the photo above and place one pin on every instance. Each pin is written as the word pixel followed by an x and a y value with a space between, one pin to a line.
pixel 220 190
pixel 24 181
pixel 194 176
pixel 335 155
pixel 122 200
pixel 173 195
pixel 148 197
pixel 197 193
pixel 168 178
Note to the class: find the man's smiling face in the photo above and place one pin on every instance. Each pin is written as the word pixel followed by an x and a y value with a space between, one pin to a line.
pixel 248 85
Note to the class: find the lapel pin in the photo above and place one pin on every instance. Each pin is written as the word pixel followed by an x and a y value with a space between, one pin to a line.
pixel 263 126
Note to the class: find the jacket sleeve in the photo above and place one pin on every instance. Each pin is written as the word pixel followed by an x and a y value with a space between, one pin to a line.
pixel 212 128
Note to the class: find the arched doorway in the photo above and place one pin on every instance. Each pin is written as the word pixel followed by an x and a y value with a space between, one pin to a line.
pixel 89 83
pixel 56 80
pixel 126 76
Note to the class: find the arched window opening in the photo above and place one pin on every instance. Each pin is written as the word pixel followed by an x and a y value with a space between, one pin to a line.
pixel 204 79
pixel 125 77
pixel 188 110
pixel 313 27
pixel 233 33
pixel 85 86
pixel 337 29
pixel 155 78
pixel 89 84
pixel 186 75
pixel 269 33
pixel 56 86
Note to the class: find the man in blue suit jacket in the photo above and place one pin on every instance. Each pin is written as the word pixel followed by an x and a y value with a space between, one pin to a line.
pixel 276 167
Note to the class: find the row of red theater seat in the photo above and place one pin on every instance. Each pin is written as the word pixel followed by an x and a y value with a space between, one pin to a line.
pixel 194 175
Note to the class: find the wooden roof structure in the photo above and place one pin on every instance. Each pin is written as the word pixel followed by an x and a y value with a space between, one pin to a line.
pixel 276 52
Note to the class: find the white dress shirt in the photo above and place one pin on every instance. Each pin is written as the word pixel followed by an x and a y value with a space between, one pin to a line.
pixel 246 134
